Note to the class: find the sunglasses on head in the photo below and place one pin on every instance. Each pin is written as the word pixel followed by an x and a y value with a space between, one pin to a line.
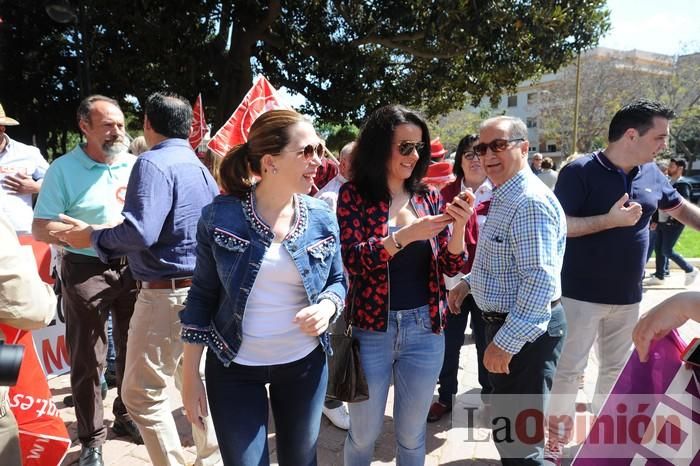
pixel 310 150
pixel 497 145
pixel 406 147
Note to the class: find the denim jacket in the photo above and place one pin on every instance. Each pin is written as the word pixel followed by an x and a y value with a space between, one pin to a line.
pixel 231 243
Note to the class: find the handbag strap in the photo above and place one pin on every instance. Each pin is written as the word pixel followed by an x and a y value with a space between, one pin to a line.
pixel 348 314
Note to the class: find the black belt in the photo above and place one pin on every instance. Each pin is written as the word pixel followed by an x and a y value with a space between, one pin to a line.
pixel 500 317
pixel 85 259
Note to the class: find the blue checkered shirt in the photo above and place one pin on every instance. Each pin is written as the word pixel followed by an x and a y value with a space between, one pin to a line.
pixel 518 259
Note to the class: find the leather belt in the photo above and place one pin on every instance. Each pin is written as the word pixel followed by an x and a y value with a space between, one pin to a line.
pixel 170 284
pixel 500 317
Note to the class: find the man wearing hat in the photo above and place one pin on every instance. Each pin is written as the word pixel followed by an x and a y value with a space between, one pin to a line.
pixel 21 170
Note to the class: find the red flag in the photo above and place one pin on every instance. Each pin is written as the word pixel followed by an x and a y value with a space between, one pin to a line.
pixel 259 99
pixel 199 124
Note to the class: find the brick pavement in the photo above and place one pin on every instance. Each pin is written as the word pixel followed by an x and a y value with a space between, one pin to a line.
pixel 445 445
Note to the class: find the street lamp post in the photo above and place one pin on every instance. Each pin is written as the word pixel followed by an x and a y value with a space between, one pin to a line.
pixel 574 147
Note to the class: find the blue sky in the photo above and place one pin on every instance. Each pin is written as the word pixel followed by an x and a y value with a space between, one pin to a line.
pixel 668 27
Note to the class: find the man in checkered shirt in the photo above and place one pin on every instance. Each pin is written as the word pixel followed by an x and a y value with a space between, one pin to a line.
pixel 515 281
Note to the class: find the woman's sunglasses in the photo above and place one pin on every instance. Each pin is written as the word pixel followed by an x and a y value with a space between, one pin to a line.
pixel 406 147
pixel 470 155
pixel 310 150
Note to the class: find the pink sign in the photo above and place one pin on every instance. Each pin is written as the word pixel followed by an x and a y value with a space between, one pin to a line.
pixel 652 416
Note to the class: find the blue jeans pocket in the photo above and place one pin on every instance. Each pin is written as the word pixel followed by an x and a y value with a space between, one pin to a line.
pixel 557 323
pixel 424 318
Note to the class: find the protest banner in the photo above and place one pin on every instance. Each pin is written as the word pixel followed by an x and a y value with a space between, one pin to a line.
pixel 652 415
pixel 43 437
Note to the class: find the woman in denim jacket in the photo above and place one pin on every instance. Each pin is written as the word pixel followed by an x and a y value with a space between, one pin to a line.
pixel 396 247
pixel 268 281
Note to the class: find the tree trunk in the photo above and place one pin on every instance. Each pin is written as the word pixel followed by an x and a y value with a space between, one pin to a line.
pixel 236 74
pixel 236 78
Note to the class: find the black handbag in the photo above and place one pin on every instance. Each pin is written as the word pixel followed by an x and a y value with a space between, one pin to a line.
pixel 346 378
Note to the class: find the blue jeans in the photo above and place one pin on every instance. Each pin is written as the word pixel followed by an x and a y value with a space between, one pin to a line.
pixel 454 339
pixel 652 244
pixel 239 409
pixel 411 353
pixel 667 236
pixel 526 387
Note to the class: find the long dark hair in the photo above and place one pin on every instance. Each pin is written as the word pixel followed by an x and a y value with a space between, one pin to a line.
pixel 373 152
pixel 268 135
pixel 464 143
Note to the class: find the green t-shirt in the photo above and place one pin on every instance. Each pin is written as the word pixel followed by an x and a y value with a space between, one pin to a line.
pixel 82 188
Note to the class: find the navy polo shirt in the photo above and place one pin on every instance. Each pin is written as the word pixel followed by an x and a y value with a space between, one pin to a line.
pixel 607 267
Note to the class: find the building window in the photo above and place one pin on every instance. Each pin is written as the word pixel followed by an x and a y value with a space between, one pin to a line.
pixel 551 147
pixel 513 100
pixel 533 149
pixel 532 122
pixel 532 98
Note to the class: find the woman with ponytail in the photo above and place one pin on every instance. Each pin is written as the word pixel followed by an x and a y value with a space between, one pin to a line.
pixel 268 281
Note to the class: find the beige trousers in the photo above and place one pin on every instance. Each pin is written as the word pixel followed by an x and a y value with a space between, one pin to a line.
pixel 612 326
pixel 154 353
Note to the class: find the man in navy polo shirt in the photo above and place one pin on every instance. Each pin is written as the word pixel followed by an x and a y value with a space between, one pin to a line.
pixel 608 197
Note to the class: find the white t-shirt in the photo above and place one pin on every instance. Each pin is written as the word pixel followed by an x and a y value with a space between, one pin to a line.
pixel 20 158
pixel 269 334
pixel 329 193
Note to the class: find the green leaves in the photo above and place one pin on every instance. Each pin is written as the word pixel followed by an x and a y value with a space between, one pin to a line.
pixel 346 57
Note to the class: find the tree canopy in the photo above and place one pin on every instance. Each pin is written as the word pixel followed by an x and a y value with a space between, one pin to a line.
pixel 346 57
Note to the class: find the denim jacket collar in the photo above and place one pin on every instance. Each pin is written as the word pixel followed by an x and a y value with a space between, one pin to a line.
pixel 301 216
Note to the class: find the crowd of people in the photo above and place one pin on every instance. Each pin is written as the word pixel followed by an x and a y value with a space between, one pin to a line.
pixel 229 285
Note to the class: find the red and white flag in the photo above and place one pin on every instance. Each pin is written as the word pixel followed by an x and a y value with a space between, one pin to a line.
pixel 259 99
pixel 199 124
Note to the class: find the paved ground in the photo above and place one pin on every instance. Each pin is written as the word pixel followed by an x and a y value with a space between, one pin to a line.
pixel 445 445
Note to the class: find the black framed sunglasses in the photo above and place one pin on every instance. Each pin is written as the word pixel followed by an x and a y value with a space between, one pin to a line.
pixel 406 147
pixel 310 150
pixel 497 145
pixel 470 155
